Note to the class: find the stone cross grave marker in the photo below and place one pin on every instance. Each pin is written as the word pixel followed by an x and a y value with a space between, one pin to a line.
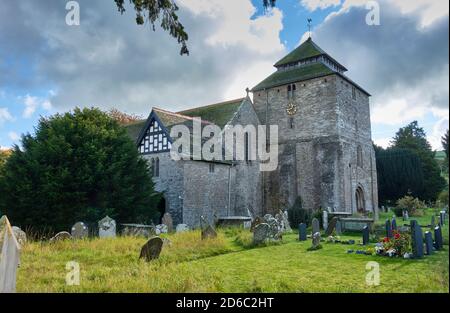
pixel 261 233
pixel 416 239
pixel 107 228
pixel 79 231
pixel 168 221
pixel 338 228
pixel 325 219
pixel 428 243
pixel 365 235
pixel 302 232
pixel 152 249
pixel 438 238
pixel 388 228
pixel 315 226
pixel 394 223
pixel 331 226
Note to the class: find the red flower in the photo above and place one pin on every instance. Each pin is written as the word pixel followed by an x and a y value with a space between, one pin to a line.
pixel 397 236
pixel 386 239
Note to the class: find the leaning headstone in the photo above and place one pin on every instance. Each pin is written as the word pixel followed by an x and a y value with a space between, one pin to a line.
pixel 394 224
pixel 331 226
pixel 168 221
pixel 261 233
pixel 152 249
pixel 388 228
pixel 315 226
pixel 302 232
pixel 63 235
pixel 9 258
pixel 325 219
pixel 416 239
pixel 438 238
pixel 79 231
pixel 107 228
pixel 182 228
pixel 365 235
pixel 428 243
pixel 338 228
pixel 21 236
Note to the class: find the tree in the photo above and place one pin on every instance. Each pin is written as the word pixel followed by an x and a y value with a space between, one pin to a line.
pixel 413 138
pixel 165 11
pixel 79 166
pixel 444 141
pixel 123 118
pixel 399 172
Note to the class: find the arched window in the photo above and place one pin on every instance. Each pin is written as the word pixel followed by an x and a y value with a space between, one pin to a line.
pixel 359 156
pixel 157 167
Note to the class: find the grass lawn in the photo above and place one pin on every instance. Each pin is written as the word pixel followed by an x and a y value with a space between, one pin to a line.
pixel 225 264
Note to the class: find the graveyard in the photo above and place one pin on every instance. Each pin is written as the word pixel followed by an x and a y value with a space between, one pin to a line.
pixel 230 259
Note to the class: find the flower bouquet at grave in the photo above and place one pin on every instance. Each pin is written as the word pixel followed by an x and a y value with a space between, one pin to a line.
pixel 333 239
pixel 398 245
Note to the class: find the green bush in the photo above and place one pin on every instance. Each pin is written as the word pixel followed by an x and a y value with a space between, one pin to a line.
pixel 413 205
pixel 443 198
pixel 297 214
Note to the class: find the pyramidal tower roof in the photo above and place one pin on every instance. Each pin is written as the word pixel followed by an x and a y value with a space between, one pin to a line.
pixel 307 61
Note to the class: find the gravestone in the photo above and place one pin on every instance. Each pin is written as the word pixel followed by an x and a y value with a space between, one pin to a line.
pixel 258 220
pixel 287 226
pixel 388 228
pixel 261 233
pixel 406 215
pixel 338 228
pixel 152 249
pixel 9 258
pixel 365 235
pixel 433 222
pixel 442 218
pixel 428 243
pixel 21 236
pixel 302 232
pixel 325 219
pixel 394 224
pixel 63 235
pixel 438 238
pixel 315 240
pixel 416 239
pixel 315 226
pixel 276 228
pixel 107 228
pixel 168 221
pixel 331 226
pixel 182 228
pixel 79 231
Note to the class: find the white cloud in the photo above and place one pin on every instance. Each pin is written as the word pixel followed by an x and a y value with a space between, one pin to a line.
pixel 439 129
pixel 33 103
pixel 383 142
pixel 313 5
pixel 5 116
pixel 13 136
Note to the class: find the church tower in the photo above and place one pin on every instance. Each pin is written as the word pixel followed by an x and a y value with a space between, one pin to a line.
pixel 326 154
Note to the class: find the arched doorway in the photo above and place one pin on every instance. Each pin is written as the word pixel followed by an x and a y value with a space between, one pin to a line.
pixel 360 201
pixel 161 209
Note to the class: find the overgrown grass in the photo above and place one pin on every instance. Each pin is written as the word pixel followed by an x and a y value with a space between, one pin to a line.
pixel 229 263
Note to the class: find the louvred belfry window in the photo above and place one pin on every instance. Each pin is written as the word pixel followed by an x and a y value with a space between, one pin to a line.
pixel 155 140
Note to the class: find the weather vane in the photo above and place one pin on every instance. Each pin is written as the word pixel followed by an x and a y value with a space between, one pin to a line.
pixel 309 26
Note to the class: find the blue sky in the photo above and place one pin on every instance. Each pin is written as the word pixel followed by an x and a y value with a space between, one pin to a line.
pixel 48 67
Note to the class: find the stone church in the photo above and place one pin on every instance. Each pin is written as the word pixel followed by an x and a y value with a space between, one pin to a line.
pixel 325 151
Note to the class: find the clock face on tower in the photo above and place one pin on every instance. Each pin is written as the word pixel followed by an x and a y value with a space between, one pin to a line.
pixel 291 108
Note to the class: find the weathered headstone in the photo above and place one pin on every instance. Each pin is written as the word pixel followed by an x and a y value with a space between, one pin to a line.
pixel 63 235
pixel 315 226
pixel 315 240
pixel 388 228
pixel 331 226
pixel 438 238
pixel 261 233
pixel 107 228
pixel 9 258
pixel 256 221
pixel 302 232
pixel 394 224
pixel 406 215
pixel 338 228
pixel 21 236
pixel 325 219
pixel 276 228
pixel 416 239
pixel 365 235
pixel 182 228
pixel 428 243
pixel 168 221
pixel 442 218
pixel 152 249
pixel 287 226
pixel 79 231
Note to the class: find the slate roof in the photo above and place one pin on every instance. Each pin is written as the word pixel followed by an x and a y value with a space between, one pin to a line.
pixel 306 50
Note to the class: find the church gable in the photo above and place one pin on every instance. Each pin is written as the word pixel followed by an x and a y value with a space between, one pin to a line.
pixel 154 137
